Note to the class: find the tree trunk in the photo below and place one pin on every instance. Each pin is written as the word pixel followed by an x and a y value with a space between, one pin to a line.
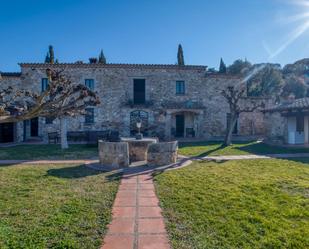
pixel 63 133
pixel 229 131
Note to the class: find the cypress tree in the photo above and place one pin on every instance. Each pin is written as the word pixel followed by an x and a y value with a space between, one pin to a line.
pixel 51 54
pixel 102 58
pixel 222 68
pixel 47 58
pixel 180 57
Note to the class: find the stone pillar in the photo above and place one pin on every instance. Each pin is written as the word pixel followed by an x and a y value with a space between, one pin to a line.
pixel 306 129
pixel 168 123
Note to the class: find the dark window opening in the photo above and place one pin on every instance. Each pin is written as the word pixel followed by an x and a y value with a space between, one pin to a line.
pixel 89 117
pixel 49 120
pixel 139 91
pixel 300 123
pixel 6 132
pixel 89 83
pixel 34 127
pixel 44 84
pixel 180 87
pixel 228 120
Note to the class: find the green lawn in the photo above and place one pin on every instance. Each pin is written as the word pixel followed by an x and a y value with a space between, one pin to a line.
pixel 237 204
pixel 49 151
pixel 238 148
pixel 54 206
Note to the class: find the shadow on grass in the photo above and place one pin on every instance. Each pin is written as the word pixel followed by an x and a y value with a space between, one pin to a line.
pixel 220 147
pixel 79 171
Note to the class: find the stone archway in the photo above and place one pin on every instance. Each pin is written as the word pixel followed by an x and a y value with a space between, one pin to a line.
pixel 134 117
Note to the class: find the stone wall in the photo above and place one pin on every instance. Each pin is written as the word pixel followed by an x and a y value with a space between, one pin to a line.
pixel 114 85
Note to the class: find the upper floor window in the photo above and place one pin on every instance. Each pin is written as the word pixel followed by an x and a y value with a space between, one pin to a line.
pixel 180 87
pixel 89 83
pixel 89 117
pixel 44 84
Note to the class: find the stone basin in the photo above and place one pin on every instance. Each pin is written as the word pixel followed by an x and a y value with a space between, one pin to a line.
pixel 138 148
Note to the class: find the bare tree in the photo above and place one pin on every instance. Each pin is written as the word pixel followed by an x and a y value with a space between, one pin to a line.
pixel 62 98
pixel 238 103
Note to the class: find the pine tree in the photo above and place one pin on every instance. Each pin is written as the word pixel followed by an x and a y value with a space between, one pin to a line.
pixel 102 58
pixel 51 54
pixel 180 58
pixel 222 68
pixel 47 58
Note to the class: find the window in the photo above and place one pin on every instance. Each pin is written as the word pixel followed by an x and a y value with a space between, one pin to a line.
pixel 139 91
pixel 89 117
pixel 44 84
pixel 49 120
pixel 300 123
pixel 228 120
pixel 89 83
pixel 180 87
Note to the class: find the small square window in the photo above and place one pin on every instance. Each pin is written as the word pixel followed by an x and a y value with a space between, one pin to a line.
pixel 180 87
pixel 89 116
pixel 44 84
pixel 89 83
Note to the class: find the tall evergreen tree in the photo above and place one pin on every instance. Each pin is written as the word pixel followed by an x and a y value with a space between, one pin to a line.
pixel 180 57
pixel 51 54
pixel 47 58
pixel 102 58
pixel 222 68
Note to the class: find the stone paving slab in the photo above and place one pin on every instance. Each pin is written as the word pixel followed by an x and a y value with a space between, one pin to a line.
pixel 137 221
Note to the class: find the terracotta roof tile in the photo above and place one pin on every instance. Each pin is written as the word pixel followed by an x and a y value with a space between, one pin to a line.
pixel 297 104
pixel 115 65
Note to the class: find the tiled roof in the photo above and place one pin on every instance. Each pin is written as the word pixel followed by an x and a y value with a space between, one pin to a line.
pixel 115 65
pixel 10 74
pixel 297 104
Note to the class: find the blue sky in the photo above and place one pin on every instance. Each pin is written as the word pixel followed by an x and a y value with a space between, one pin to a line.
pixel 136 31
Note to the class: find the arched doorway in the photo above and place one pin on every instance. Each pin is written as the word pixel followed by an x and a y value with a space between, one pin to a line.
pixel 136 116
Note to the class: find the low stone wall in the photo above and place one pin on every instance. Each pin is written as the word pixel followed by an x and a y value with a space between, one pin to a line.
pixel 160 154
pixel 138 148
pixel 114 154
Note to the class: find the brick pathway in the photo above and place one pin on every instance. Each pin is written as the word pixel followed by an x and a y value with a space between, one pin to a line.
pixel 137 221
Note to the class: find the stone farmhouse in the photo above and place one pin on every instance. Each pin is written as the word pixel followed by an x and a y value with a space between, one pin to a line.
pixel 173 101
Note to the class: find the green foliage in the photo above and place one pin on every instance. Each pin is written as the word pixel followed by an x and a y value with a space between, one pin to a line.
pixel 267 81
pixel 239 67
pixel 54 206
pixel 294 86
pixel 51 54
pixel 102 58
pixel 180 57
pixel 237 204
pixel 47 58
pixel 222 67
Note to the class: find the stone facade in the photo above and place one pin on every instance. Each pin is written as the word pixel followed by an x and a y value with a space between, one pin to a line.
pixel 203 108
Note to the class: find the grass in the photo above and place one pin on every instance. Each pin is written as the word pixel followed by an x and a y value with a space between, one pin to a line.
pixel 237 204
pixel 238 148
pixel 48 151
pixel 51 206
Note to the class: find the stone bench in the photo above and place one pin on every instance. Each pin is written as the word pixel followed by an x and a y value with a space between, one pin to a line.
pixel 114 154
pixel 164 153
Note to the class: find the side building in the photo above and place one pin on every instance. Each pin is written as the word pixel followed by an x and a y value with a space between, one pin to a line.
pixel 172 101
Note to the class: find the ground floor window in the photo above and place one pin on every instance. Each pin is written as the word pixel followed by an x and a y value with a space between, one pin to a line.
pixel 89 117
pixel 300 123
pixel 6 132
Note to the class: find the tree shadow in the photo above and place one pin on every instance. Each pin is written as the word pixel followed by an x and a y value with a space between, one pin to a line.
pixel 206 153
pixel 72 172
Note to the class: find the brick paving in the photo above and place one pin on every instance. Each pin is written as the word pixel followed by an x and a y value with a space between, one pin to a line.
pixel 137 221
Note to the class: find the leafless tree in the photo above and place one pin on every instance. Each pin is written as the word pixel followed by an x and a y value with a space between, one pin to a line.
pixel 61 99
pixel 238 103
